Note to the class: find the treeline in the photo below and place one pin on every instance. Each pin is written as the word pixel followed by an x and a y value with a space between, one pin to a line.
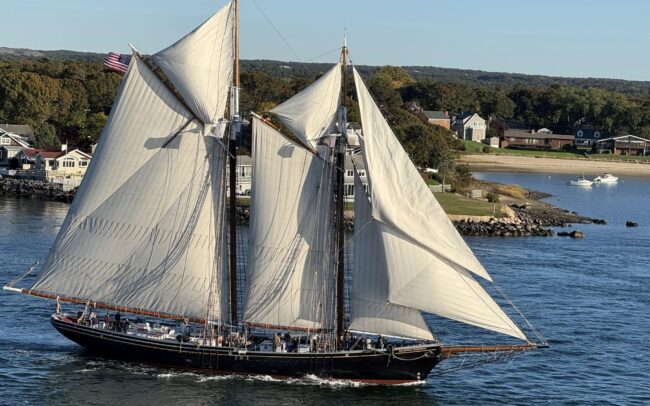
pixel 67 101
pixel 62 101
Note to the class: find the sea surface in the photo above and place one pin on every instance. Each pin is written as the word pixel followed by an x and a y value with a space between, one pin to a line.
pixel 590 298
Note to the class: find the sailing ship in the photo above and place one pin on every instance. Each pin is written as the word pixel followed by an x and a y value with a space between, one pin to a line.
pixel 150 235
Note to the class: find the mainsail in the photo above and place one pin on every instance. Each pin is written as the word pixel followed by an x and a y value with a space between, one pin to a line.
pixel 310 114
pixel 429 264
pixel 289 278
pixel 145 229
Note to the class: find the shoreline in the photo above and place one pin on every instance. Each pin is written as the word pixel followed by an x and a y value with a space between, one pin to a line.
pixel 513 163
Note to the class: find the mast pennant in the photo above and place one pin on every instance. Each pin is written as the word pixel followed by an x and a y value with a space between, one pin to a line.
pixel 429 264
pixel 145 230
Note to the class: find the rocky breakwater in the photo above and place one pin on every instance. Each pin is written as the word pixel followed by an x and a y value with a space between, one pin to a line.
pixel 34 189
pixel 512 225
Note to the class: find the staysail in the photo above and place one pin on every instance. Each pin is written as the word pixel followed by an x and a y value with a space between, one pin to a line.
pixel 429 264
pixel 370 310
pixel 310 113
pixel 145 229
pixel 289 278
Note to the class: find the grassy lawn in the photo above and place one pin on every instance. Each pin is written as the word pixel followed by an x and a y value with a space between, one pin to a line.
pixel 457 204
pixel 538 154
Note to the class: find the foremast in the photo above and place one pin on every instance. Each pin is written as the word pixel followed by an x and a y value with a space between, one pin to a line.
pixel 235 126
pixel 340 231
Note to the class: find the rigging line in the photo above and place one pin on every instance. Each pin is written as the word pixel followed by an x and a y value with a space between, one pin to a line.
pixel 268 20
pixel 534 330
pixel 337 49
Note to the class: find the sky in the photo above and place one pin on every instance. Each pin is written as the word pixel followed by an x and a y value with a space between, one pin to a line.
pixel 574 38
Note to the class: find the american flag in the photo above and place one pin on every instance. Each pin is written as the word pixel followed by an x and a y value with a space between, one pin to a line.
pixel 117 62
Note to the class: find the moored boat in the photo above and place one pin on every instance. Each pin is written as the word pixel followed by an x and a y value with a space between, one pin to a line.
pixel 580 181
pixel 606 178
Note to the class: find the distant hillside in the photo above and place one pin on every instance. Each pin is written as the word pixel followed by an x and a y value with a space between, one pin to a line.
pixel 420 73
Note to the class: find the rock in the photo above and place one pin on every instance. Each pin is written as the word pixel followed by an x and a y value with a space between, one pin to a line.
pixel 576 234
pixel 599 221
pixel 563 234
pixel 631 224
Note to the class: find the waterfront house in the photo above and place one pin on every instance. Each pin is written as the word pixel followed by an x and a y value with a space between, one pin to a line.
pixel 469 127
pixel 624 145
pixel 531 139
pixel 440 118
pixel 27 157
pixel 588 136
pixel 10 145
pixel 63 163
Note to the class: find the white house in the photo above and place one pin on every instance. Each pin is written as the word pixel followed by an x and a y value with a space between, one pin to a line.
pixel 352 161
pixel 470 127
pixel 244 174
pixel 62 163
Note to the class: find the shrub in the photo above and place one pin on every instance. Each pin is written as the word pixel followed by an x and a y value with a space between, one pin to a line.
pixel 492 197
pixel 487 149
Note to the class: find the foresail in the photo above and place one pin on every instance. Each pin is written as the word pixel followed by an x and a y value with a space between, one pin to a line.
pixel 370 310
pixel 289 277
pixel 400 198
pixel 141 232
pixel 310 113
pixel 429 264
pixel 200 65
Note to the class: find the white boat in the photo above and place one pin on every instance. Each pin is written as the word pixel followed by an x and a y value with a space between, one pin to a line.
pixel 606 178
pixel 580 181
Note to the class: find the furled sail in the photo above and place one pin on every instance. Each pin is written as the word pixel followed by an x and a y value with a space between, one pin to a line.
pixel 370 310
pixel 429 264
pixel 200 65
pixel 144 230
pixel 310 113
pixel 289 276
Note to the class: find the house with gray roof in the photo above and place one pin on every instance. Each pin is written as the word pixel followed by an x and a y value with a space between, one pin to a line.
pixel 438 117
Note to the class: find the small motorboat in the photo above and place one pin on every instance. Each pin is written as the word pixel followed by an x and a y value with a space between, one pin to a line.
pixel 606 178
pixel 580 181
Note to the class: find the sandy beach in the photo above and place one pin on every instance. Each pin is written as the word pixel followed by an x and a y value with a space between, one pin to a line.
pixel 509 163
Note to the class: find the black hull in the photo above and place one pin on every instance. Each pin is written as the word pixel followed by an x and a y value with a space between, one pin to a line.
pixel 401 365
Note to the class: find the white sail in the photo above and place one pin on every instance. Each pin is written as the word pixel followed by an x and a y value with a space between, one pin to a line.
pixel 289 277
pixel 429 263
pixel 310 113
pixel 370 310
pixel 200 65
pixel 142 231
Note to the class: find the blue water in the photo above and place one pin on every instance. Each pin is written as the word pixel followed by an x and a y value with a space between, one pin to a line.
pixel 588 297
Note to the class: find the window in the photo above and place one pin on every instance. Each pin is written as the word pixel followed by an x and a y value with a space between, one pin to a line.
pixel 5 141
pixel 350 172
pixel 349 190
pixel 362 173
pixel 68 163
pixel 83 163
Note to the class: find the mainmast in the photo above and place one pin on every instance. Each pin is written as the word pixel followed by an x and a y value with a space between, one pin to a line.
pixel 235 125
pixel 340 237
